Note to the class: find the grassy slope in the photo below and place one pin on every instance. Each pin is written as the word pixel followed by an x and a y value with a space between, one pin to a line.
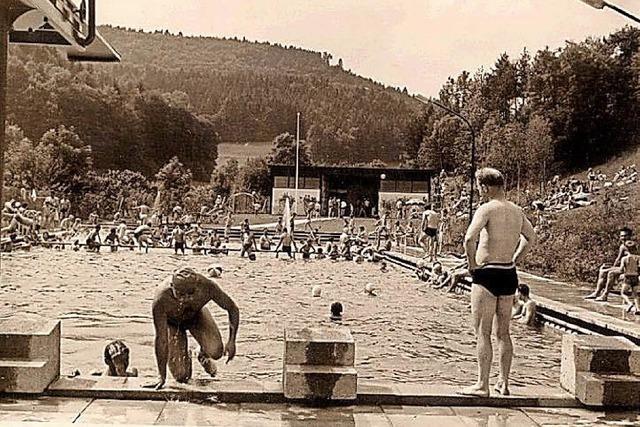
pixel 582 239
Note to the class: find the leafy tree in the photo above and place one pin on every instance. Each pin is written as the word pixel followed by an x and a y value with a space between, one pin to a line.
pixel 224 178
pixel 284 151
pixel 173 180
pixel 254 176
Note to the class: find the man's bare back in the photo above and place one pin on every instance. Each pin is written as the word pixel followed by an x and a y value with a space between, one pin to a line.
pixel 501 224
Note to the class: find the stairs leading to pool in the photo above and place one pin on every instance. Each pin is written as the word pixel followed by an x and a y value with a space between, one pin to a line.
pixel 601 371
pixel 318 364
pixel 29 355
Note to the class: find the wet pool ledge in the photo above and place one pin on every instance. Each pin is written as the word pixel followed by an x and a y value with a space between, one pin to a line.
pixel 247 391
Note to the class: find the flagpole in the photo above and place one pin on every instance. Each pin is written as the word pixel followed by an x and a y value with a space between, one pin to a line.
pixel 297 160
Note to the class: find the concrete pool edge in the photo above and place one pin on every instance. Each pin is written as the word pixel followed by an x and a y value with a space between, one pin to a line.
pixel 247 391
pixel 559 312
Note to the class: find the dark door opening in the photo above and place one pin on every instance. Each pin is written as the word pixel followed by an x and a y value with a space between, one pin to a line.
pixel 354 190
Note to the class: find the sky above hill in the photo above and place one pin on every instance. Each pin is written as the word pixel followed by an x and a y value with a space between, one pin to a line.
pixel 412 43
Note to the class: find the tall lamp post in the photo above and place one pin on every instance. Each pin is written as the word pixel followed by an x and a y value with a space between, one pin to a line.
pixel 295 203
pixel 601 4
pixel 472 172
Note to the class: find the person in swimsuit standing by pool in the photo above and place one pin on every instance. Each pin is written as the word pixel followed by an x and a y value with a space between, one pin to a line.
pixel 180 306
pixel 497 238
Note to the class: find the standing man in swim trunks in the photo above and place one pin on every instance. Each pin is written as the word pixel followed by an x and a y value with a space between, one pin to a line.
pixel 429 236
pixel 178 307
pixel 499 236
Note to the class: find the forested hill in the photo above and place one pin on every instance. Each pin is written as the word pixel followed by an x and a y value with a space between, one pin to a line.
pixel 251 91
pixel 175 95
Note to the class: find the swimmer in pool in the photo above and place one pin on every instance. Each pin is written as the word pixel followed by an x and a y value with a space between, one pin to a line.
pixel 497 238
pixel 214 271
pixel 112 239
pixel 525 310
pixel 265 241
pixel 248 243
pixel 286 241
pixel 307 249
pixel 178 307
pixel 116 356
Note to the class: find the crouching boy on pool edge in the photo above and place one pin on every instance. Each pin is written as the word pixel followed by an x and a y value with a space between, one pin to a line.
pixel 178 307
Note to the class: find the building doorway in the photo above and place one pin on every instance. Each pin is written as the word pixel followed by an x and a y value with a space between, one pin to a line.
pixel 354 190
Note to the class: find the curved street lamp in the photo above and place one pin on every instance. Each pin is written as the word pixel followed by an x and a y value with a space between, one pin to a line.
pixel 601 4
pixel 472 172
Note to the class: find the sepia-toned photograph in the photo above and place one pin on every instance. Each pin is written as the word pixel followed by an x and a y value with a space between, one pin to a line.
pixel 320 213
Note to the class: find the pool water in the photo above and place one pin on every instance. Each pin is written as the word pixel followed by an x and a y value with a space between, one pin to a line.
pixel 408 333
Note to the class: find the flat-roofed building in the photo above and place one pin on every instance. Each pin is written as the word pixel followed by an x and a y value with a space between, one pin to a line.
pixel 380 186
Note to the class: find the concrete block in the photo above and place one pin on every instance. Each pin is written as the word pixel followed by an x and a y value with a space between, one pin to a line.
pixel 608 390
pixel 29 355
pixel 319 346
pixel 598 354
pixel 320 382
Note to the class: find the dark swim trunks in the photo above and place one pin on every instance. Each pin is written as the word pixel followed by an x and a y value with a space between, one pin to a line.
pixel 631 280
pixel 431 232
pixel 499 279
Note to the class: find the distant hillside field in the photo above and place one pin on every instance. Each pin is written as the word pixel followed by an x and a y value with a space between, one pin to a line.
pixel 242 152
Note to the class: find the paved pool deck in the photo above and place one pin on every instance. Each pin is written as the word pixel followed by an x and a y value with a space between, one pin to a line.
pixel 59 411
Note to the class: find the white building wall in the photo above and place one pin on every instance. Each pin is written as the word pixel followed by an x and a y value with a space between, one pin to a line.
pixel 278 194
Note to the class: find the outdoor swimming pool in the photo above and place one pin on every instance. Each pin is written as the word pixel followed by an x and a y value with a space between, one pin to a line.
pixel 408 333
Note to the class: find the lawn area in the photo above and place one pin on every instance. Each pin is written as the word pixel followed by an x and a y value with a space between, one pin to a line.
pixel 242 151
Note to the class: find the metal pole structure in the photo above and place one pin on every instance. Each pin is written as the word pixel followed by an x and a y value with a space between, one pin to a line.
pixel 622 12
pixel 5 24
pixel 472 172
pixel 601 4
pixel 297 159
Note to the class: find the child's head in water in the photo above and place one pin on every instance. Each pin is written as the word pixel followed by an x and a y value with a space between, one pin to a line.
pixel 437 268
pixel 214 271
pixel 116 356
pixel 336 311
pixel 523 292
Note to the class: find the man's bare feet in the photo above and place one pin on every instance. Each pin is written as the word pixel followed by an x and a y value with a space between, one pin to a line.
pixel 593 295
pixel 208 364
pixel 502 388
pixel 474 390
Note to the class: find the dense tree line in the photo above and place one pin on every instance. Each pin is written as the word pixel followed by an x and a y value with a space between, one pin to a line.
pixel 556 112
pixel 252 92
pixel 126 126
